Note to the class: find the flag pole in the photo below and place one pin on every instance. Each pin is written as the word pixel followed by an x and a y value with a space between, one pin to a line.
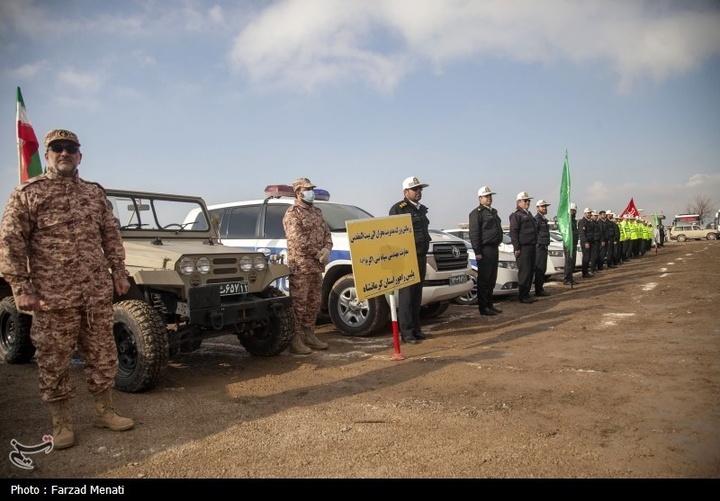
pixel 17 139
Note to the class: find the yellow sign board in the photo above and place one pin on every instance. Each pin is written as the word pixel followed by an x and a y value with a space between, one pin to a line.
pixel 382 251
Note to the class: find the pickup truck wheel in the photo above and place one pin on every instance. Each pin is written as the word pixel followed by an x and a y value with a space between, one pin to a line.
pixel 712 236
pixel 471 297
pixel 275 335
pixel 681 238
pixel 142 345
pixel 433 310
pixel 353 317
pixel 15 344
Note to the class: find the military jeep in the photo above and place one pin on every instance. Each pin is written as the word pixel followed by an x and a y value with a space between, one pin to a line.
pixel 185 287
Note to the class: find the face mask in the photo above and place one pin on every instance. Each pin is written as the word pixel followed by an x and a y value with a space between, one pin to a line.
pixel 308 196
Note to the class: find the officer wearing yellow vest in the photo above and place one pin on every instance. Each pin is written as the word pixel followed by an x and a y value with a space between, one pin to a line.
pixel 627 241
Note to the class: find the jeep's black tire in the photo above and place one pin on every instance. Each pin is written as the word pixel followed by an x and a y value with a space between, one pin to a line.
pixel 433 310
pixel 273 338
pixel 353 317
pixel 15 344
pixel 142 345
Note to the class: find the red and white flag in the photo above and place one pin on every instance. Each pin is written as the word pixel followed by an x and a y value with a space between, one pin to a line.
pixel 630 209
pixel 27 143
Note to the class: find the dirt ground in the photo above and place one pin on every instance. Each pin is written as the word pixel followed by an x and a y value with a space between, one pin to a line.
pixel 618 377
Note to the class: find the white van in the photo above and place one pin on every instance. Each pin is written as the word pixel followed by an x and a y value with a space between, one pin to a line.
pixel 257 225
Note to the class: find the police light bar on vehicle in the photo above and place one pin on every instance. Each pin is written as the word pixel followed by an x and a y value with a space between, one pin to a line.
pixel 284 190
pixel 321 194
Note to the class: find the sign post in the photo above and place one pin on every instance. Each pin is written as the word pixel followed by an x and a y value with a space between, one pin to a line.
pixel 397 354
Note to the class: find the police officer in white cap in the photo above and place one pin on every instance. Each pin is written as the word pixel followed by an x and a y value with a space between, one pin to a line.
pixel 486 234
pixel 410 297
pixel 586 234
pixel 541 249
pixel 523 234
pixel 612 253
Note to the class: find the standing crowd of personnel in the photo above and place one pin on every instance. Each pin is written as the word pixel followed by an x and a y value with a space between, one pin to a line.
pixel 530 237
pixel 604 242
pixel 607 242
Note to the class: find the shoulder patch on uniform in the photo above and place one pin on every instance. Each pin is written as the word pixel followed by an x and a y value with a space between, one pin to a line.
pixel 402 204
pixel 96 184
pixel 33 180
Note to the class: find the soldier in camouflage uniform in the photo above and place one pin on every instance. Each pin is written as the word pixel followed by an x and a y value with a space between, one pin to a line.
pixel 61 251
pixel 309 244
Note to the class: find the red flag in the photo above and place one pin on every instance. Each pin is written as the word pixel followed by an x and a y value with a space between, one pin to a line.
pixel 27 143
pixel 630 209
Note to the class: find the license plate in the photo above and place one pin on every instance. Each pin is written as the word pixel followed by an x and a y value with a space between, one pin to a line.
pixel 458 280
pixel 229 288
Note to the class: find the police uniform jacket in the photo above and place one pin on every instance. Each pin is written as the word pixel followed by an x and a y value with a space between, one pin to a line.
pixel 596 231
pixel 307 234
pixel 586 231
pixel 574 225
pixel 59 240
pixel 523 229
pixel 485 228
pixel 543 229
pixel 603 228
pixel 420 223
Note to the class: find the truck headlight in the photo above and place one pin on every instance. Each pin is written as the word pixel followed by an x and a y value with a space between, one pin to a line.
pixel 246 263
pixel 203 265
pixel 186 266
pixel 259 263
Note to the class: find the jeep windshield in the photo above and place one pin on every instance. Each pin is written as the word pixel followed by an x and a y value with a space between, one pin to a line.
pixel 146 212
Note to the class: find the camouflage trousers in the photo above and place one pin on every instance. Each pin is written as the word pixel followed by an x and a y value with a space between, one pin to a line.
pixel 306 294
pixel 56 334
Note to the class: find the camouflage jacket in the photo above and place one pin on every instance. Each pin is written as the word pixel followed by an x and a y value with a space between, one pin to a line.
pixel 307 234
pixel 59 240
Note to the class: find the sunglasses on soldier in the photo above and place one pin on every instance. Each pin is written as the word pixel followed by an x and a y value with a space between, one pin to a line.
pixel 58 148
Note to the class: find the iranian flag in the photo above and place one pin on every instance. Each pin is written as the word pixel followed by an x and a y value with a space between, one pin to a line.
pixel 27 143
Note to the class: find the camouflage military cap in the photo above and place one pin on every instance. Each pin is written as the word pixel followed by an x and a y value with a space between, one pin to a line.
pixel 61 135
pixel 302 182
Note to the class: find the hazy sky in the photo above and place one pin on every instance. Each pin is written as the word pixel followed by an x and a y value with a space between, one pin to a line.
pixel 222 98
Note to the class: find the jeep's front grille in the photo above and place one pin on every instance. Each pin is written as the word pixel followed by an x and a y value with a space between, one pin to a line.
pixel 450 256
pixel 224 271
pixel 224 260
pixel 225 266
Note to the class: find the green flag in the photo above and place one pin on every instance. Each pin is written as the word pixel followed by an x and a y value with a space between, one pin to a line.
pixel 563 212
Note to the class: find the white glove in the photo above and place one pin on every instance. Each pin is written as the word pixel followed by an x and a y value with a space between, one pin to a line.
pixel 323 256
